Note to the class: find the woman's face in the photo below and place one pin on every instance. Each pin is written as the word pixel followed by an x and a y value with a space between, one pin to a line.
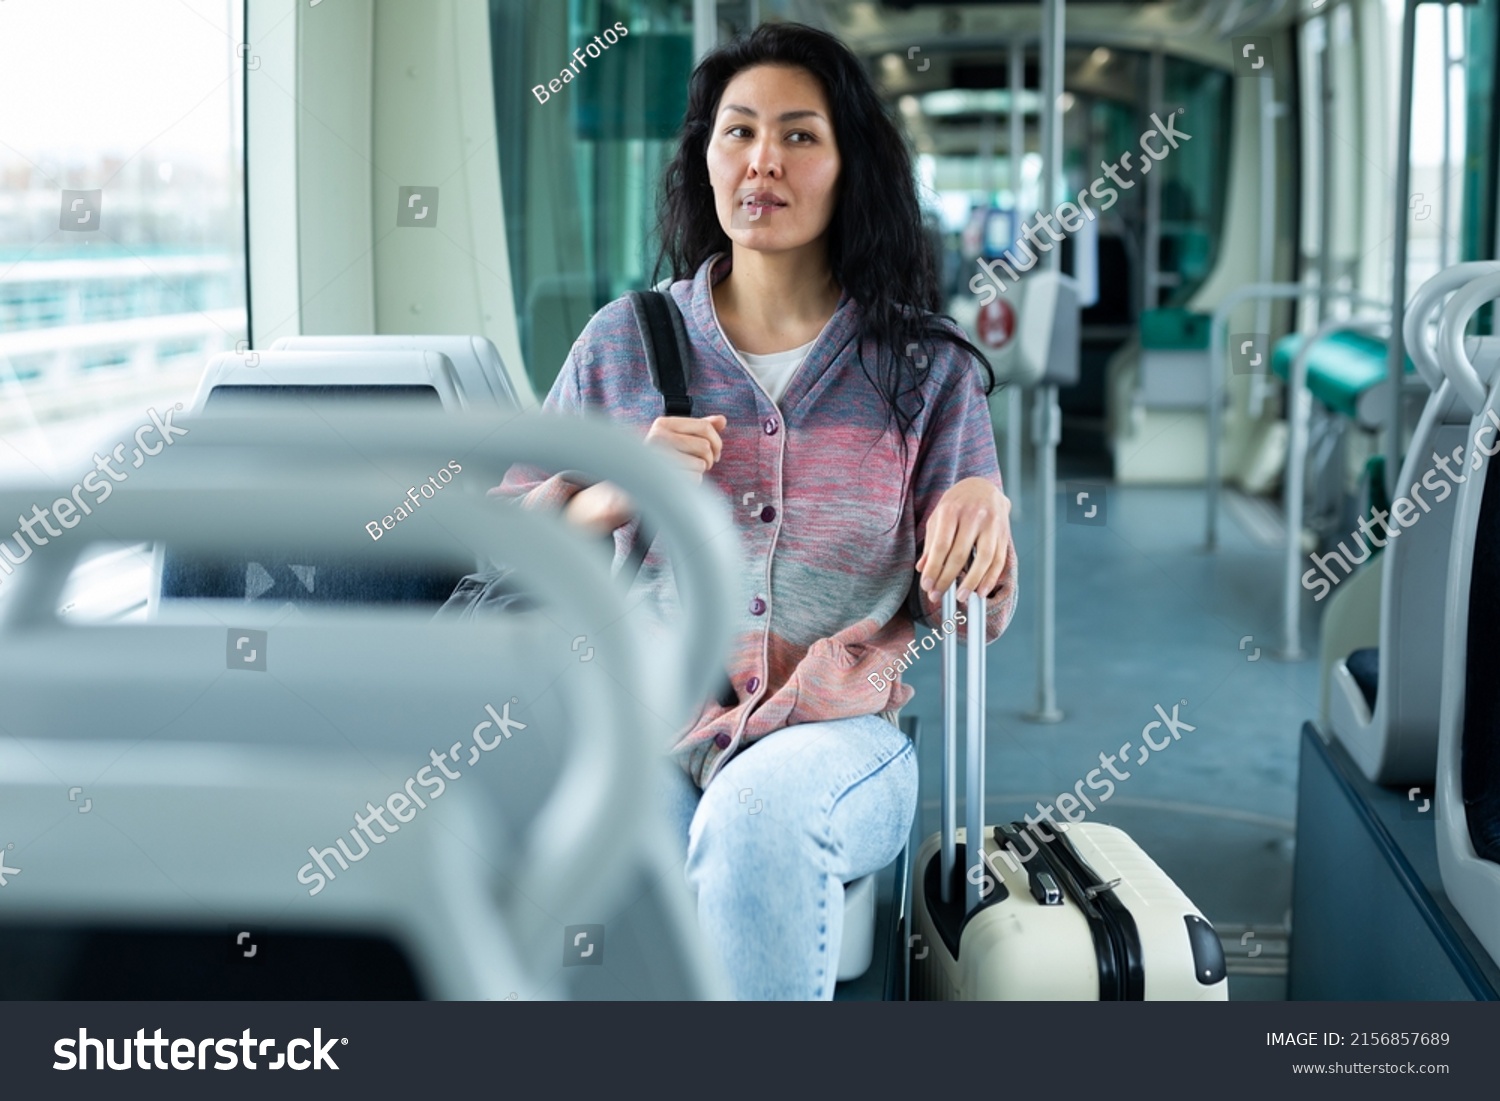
pixel 772 159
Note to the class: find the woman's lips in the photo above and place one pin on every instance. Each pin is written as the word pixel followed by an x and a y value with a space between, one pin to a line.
pixel 757 208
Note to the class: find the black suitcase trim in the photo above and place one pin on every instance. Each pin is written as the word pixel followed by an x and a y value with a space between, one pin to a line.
pixel 948 918
pixel 1117 942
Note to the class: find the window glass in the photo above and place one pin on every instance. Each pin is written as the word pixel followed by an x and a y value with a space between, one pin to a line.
pixel 1195 177
pixel 1437 179
pixel 121 213
pixel 580 158
pixel 1479 184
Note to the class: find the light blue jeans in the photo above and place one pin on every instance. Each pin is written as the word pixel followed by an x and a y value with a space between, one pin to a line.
pixel 768 847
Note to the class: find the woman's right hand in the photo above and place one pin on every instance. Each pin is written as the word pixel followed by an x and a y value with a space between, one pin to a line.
pixel 601 508
pixel 695 440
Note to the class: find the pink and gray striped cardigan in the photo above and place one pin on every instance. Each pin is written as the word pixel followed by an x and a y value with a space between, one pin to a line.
pixel 830 594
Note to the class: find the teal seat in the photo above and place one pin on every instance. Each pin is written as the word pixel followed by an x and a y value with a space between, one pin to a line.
pixel 1174 329
pixel 1342 367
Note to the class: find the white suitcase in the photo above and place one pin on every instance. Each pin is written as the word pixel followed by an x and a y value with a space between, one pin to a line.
pixel 1067 913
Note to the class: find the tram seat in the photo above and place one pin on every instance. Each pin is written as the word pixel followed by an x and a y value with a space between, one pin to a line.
pixel 479 370
pixel 1468 770
pixel 206 789
pixel 857 949
pixel 1468 759
pixel 1174 359
pixel 234 379
pixel 207 834
pixel 1344 372
pixel 1383 701
pixel 265 383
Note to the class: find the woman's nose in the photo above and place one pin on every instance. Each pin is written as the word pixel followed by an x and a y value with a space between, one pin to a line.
pixel 765 159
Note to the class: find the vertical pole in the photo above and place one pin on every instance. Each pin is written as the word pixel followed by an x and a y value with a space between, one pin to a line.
pixel 1445 219
pixel 1053 20
pixel 1015 399
pixel 1151 254
pixel 1266 246
pixel 1326 274
pixel 1298 409
pixel 1395 364
pixel 1047 425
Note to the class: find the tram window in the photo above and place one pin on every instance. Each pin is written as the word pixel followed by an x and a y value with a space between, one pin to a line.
pixel 1436 178
pixel 579 170
pixel 1479 183
pixel 1194 178
pixel 121 244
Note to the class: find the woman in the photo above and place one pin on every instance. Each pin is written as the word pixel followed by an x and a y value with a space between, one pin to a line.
pixel 849 430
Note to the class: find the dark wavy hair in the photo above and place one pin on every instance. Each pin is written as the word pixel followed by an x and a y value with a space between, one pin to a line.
pixel 878 250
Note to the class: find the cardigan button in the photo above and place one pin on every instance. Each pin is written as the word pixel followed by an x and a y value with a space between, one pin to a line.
pixel 771 426
pixel 767 514
pixel 722 740
pixel 757 606
pixel 752 685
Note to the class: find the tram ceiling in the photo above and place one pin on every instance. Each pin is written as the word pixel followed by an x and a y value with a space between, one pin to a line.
pixel 976 83
pixel 1193 31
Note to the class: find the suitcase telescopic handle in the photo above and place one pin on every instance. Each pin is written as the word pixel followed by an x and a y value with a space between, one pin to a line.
pixel 974 683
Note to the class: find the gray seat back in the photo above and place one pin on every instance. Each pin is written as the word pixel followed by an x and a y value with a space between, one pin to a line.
pixel 268 384
pixel 220 774
pixel 481 373
pixel 1468 772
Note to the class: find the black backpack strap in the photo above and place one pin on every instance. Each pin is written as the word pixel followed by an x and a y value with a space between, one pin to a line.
pixel 668 355
pixel 667 352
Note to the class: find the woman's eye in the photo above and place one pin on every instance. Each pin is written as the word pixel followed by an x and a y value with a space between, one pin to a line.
pixel 801 134
pixel 738 131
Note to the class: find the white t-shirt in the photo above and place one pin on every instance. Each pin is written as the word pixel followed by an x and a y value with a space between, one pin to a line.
pixel 774 370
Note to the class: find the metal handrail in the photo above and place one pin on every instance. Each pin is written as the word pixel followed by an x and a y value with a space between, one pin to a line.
pixel 1299 407
pixel 1218 353
pixel 1453 358
pixel 1424 302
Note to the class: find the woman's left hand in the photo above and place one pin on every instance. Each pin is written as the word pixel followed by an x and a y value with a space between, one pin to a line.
pixel 973 516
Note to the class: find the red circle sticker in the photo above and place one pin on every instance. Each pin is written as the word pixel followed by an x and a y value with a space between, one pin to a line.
pixel 997 323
